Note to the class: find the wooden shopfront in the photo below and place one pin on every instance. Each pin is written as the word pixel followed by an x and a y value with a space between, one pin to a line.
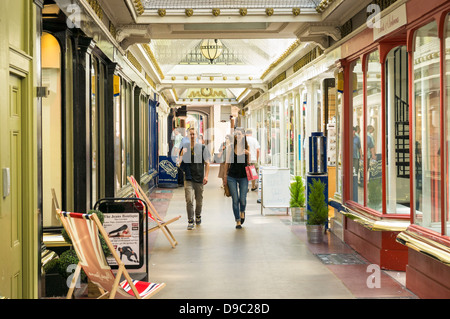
pixel 395 195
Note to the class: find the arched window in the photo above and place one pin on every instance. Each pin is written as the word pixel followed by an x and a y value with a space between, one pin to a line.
pixel 51 128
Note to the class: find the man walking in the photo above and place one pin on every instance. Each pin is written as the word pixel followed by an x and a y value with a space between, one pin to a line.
pixel 195 158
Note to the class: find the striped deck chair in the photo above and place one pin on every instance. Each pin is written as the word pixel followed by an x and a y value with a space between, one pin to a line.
pixel 84 230
pixel 153 214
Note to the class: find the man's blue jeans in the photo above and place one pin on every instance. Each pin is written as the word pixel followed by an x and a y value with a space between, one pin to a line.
pixel 238 190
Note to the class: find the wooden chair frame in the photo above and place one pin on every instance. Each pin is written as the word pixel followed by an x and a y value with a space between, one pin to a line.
pixel 153 213
pixel 121 268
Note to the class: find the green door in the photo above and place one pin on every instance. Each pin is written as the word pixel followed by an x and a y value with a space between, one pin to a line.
pixel 11 207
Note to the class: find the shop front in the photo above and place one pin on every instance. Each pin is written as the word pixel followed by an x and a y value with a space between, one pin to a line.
pixel 395 104
pixel 286 115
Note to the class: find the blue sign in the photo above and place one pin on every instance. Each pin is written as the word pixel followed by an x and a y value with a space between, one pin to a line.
pixel 168 171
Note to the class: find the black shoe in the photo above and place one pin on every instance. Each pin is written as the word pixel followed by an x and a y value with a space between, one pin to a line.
pixel 198 220
pixel 254 189
pixel 242 217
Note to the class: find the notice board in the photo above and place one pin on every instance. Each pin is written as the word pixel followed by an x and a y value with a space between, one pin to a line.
pixel 124 224
pixel 275 187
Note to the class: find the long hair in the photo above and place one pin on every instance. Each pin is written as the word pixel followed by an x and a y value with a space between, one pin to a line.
pixel 235 145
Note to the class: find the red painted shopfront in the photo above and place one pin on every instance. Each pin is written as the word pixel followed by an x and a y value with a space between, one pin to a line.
pixel 396 78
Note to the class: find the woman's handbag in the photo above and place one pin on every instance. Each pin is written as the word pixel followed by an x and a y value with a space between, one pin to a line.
pixel 251 172
pixel 226 190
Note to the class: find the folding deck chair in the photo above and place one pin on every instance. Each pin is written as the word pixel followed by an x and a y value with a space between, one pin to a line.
pixel 153 214
pixel 84 230
pixel 55 204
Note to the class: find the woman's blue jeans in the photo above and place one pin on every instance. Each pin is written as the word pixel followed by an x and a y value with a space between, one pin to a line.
pixel 238 190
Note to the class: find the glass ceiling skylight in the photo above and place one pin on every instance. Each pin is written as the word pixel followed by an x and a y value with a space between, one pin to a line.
pixel 228 4
pixel 253 56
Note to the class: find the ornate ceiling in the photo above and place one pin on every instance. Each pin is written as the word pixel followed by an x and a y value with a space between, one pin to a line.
pixel 228 4
pixel 261 39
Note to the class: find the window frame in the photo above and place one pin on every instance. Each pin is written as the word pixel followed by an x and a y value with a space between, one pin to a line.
pixel 364 58
pixel 442 19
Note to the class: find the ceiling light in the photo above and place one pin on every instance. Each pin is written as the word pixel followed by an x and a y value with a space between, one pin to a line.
pixel 211 49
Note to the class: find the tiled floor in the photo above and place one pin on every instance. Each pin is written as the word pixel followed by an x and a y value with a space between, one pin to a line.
pixel 269 258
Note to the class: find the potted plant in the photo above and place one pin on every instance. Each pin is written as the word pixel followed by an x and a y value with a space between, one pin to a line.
pixel 317 211
pixel 297 202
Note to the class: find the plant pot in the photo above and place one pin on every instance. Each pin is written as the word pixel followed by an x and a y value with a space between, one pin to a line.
pixel 298 214
pixel 314 233
pixel 55 285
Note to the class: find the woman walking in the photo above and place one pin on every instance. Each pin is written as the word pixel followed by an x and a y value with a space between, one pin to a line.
pixel 236 176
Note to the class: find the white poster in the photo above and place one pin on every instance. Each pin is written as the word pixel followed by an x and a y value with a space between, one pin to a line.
pixel 124 232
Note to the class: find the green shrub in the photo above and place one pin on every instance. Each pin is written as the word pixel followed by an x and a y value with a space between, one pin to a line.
pixel 297 190
pixel 67 258
pixel 52 267
pixel 318 212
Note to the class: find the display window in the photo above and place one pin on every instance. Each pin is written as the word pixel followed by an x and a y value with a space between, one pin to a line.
pixel 52 126
pixel 118 150
pixel 290 136
pixel 400 114
pixel 275 134
pixel 426 135
pixel 303 150
pixel 268 135
pixel 397 148
pixel 339 135
pixel 357 137
pixel 298 138
pixel 380 137
pixel 144 134
pixel 447 128
pixel 122 131
pixel 94 130
pixel 373 133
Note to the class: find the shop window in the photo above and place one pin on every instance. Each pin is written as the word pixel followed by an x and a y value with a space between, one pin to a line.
pixel 118 158
pixel 144 135
pixel 397 132
pixel 51 128
pixel 373 151
pixel 128 135
pixel 268 134
pixel 122 131
pixel 94 130
pixel 304 101
pixel 426 132
pixel 290 137
pixel 97 94
pixel 339 134
pixel 275 134
pixel 358 148
pixel 298 135
pixel 67 201
pixel 447 107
